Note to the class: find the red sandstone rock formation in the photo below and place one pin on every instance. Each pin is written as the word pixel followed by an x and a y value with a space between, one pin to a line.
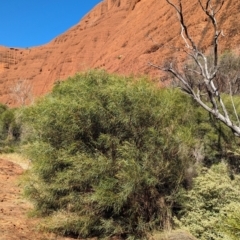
pixel 120 36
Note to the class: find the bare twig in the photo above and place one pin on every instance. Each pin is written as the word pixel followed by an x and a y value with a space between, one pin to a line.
pixel 22 92
pixel 205 70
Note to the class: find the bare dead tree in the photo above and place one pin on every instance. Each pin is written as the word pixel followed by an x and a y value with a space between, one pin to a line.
pixel 22 92
pixel 206 92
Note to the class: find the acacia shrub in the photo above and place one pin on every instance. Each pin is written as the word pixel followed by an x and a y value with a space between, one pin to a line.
pixel 210 208
pixel 109 154
pixel 230 221
pixel 10 129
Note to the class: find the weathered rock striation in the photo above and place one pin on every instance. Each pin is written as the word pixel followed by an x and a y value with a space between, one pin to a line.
pixel 120 36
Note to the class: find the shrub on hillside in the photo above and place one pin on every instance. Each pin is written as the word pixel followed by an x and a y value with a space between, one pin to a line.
pixel 3 108
pixel 10 129
pixel 109 154
pixel 230 221
pixel 209 209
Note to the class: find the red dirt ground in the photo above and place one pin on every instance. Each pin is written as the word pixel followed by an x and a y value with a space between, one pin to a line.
pixel 14 223
pixel 120 36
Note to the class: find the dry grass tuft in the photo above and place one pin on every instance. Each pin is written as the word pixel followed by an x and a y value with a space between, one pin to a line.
pixel 17 159
pixel 173 235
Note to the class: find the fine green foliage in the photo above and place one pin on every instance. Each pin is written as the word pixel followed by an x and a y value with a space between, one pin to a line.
pixel 230 221
pixel 6 118
pixel 228 75
pixel 109 154
pixel 208 209
pixel 10 129
pixel 3 108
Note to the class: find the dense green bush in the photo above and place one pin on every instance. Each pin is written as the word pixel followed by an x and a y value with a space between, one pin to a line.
pixel 10 129
pixel 109 153
pixel 230 221
pixel 211 209
pixel 3 108
pixel 3 123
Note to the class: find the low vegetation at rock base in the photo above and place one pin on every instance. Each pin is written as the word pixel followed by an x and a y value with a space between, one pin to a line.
pixel 108 155
pixel 120 157
pixel 10 129
pixel 211 207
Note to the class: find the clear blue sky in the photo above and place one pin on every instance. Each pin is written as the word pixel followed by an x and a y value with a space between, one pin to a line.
pixel 27 23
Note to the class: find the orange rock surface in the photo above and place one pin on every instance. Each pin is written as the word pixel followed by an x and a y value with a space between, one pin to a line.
pixel 121 36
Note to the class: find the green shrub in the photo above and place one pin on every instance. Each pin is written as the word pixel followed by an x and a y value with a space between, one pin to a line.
pixel 3 108
pixel 207 209
pixel 230 221
pixel 10 128
pixel 109 154
pixel 7 118
pixel 3 123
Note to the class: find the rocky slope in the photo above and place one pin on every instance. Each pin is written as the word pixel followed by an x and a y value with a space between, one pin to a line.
pixel 118 35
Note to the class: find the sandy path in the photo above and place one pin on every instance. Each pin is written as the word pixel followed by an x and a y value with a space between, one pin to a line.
pixel 14 223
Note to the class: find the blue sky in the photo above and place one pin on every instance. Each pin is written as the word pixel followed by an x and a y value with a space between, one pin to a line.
pixel 27 23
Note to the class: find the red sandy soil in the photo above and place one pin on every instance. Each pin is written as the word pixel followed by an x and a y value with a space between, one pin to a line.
pixel 121 36
pixel 14 223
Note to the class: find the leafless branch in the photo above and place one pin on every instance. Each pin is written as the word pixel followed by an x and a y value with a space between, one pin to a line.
pixel 211 13
pixel 205 70
pixel 183 25
pixel 22 92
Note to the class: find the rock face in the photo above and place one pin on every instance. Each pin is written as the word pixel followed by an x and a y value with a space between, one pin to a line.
pixel 120 36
